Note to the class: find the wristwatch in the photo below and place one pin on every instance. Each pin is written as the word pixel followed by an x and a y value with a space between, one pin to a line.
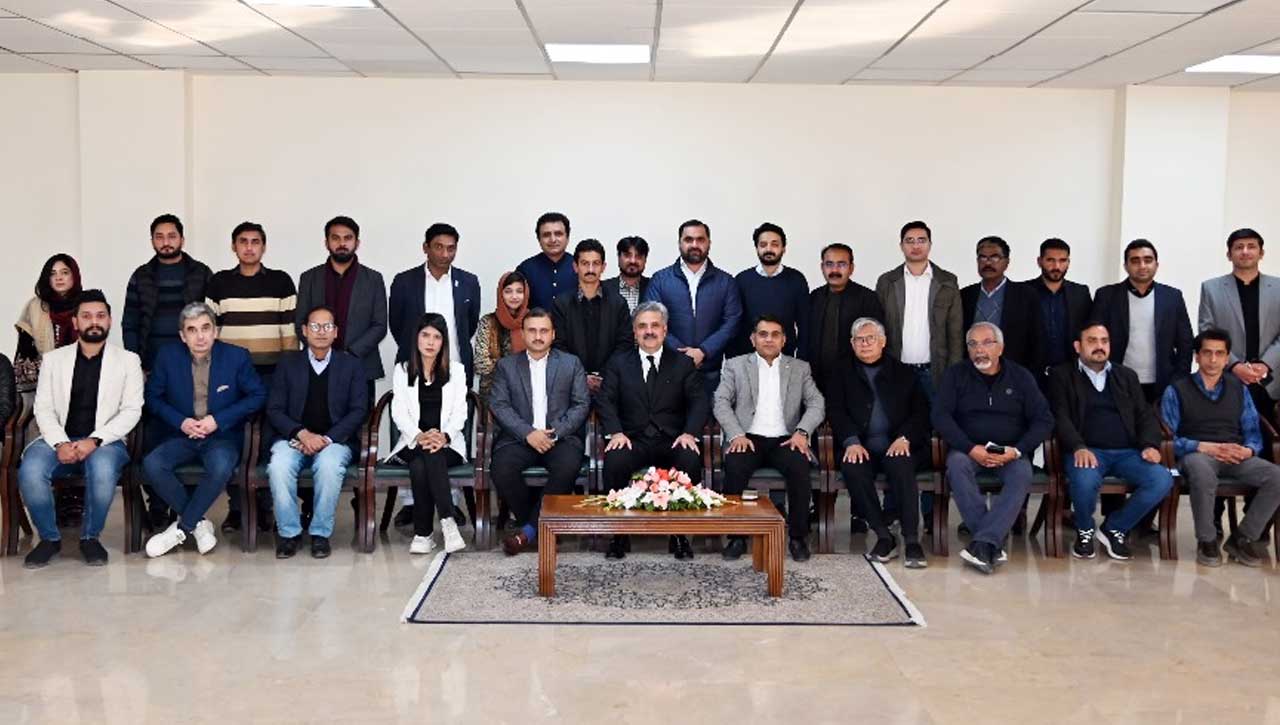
pixel 96 441
pixel 802 432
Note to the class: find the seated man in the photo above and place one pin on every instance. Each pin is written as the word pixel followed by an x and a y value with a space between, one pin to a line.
pixel 1106 428
pixel 201 392
pixel 653 407
pixel 767 405
pixel 540 401
pixel 990 411
pixel 1216 433
pixel 88 398
pixel 880 419
pixel 318 402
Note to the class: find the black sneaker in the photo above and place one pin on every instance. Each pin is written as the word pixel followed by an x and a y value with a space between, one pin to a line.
pixel 963 529
pixel 736 547
pixel 404 517
pixel 1208 554
pixel 320 548
pixel 799 549
pixel 885 550
pixel 1084 547
pixel 978 556
pixel 914 557
pixel 1116 544
pixel 286 547
pixel 1240 549
pixel 45 552
pixel 231 522
pixel 93 553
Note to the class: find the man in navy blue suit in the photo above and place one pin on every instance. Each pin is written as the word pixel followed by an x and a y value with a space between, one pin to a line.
pixel 317 405
pixel 201 392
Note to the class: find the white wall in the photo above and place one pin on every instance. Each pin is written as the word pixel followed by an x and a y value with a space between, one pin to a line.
pixel 1253 168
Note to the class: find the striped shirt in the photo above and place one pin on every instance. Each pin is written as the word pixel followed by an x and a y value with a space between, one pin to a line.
pixel 255 313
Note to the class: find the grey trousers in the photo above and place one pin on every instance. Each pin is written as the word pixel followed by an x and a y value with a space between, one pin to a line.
pixel 1202 474
pixel 991 526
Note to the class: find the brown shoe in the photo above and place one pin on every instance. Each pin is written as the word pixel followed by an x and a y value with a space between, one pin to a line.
pixel 515 543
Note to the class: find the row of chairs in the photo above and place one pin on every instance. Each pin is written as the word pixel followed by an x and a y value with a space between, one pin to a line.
pixel 366 476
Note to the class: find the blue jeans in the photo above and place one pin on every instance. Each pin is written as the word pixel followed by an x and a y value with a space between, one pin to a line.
pixel 328 469
pixel 988 526
pixel 219 456
pixel 101 471
pixel 1152 480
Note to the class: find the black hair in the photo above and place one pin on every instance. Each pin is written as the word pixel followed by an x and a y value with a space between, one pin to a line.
pixel 914 225
pixel 342 221
pixel 439 228
pixel 551 217
pixel 92 295
pixel 1210 333
pixel 768 318
pixel 440 371
pixel 167 219
pixel 1054 243
pixel 1245 233
pixel 839 246
pixel 693 223
pixel 588 245
pixel 1094 322
pixel 322 308
pixel 1004 246
pixel 243 227
pixel 514 277
pixel 627 244
pixel 766 227
pixel 538 312
pixel 1140 244
pixel 44 290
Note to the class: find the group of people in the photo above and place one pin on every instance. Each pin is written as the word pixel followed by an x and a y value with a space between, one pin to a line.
pixel 995 368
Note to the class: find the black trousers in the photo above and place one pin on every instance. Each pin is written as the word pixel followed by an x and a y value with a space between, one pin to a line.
pixel 900 471
pixel 739 467
pixel 562 463
pixel 429 478
pixel 619 464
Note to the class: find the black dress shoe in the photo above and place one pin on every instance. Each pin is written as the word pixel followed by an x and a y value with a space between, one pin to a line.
pixel 231 522
pixel 158 515
pixel 682 548
pixel 93 552
pixel 287 547
pixel 799 549
pixel 320 548
pixel 736 548
pixel 404 517
pixel 858 525
pixel 618 546
pixel 43 553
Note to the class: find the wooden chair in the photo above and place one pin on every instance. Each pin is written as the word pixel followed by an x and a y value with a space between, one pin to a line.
pixel 19 431
pixel 390 477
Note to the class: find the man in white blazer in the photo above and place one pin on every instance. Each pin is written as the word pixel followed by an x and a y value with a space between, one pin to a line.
pixel 88 398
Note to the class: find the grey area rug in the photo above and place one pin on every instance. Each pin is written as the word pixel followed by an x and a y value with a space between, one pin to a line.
pixel 647 589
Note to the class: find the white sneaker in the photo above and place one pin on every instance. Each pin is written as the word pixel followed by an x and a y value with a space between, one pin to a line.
pixel 161 543
pixel 422 545
pixel 452 539
pixel 205 538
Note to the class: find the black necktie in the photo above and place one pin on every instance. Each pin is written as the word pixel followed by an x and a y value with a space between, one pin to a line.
pixel 651 377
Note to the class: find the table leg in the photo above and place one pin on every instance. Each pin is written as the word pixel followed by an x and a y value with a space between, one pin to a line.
pixel 757 552
pixel 774 562
pixel 546 561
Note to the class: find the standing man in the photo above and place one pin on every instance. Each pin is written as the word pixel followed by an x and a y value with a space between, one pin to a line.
pixel 702 300
pixel 590 322
pixel 1012 307
pixel 652 408
pixel 1216 434
pixel 1150 330
pixel 317 406
pixel 768 405
pixel 922 310
pixel 540 402
pixel 202 391
pixel 772 289
pixel 992 415
pixel 833 308
pixel 550 272
pixel 159 289
pixel 1064 305
pixel 88 398
pixel 630 284
pixel 356 294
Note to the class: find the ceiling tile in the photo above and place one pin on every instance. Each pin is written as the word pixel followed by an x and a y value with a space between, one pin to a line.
pixel 85 61
pixel 922 74
pixel 399 67
pixel 855 29
pixel 601 72
pixel 721 32
pixel 23 36
pixel 810 68
pixel 269 41
pixel 1004 76
pixel 1217 80
pixel 195 62
pixel 1130 27
pixel 1265 84
pixel 303 18
pixel 10 63
pixel 712 70
pixel 1156 6
pixel 512 59
pixel 107 24
pixel 295 64
pixel 470 14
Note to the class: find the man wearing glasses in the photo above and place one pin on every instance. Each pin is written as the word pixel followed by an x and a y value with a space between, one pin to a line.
pixel 832 311
pixel 317 404
pixel 1009 305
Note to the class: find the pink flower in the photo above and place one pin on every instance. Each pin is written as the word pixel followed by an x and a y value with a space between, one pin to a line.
pixel 660 499
pixel 653 488
pixel 683 477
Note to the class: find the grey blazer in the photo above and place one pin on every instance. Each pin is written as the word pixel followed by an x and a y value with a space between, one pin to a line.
pixel 366 318
pixel 511 399
pixel 1220 307
pixel 735 398
pixel 946 317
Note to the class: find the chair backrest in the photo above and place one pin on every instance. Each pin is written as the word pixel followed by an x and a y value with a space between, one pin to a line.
pixel 372 434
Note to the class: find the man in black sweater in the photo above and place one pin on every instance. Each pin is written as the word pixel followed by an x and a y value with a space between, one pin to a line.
pixel 774 290
pixel 591 322
pixel 991 413
pixel 832 310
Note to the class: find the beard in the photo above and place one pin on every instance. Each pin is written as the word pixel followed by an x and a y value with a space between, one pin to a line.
pixel 770 258
pixel 983 364
pixel 342 256
pixel 173 253
pixel 693 256
pixel 1054 276
pixel 632 270
pixel 94 334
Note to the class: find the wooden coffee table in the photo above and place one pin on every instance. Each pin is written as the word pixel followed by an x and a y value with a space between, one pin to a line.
pixel 757 519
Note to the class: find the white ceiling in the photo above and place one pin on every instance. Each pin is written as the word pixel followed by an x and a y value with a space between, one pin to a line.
pixel 1047 43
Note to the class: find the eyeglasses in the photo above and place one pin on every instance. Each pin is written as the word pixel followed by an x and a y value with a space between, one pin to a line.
pixel 990 257
pixel 975 344
pixel 835 265
pixel 321 326
pixel 915 242
pixel 865 339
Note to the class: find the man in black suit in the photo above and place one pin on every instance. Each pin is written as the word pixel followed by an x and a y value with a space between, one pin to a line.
pixel 832 311
pixel 653 407
pixel 1012 307
pixel 1064 305
pixel 591 322
pixel 630 284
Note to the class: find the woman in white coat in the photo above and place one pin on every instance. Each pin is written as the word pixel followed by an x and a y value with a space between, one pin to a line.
pixel 429 408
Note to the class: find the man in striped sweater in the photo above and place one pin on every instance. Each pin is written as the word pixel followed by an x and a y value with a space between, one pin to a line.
pixel 255 308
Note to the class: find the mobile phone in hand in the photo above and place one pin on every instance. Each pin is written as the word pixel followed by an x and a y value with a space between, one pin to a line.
pixel 995 449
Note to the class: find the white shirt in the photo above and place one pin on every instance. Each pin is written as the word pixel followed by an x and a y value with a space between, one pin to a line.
pixel 768 420
pixel 1140 355
pixel 437 297
pixel 915 316
pixel 538 386
pixel 1099 379
pixel 644 361
pixel 695 279
pixel 317 364
pixel 760 270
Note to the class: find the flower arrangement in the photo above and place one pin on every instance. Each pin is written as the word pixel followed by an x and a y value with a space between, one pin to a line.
pixel 662 490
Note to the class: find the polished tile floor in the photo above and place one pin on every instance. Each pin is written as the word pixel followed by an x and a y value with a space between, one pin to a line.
pixel 236 637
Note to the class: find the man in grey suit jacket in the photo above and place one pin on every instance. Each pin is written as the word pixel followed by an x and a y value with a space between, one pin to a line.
pixel 768 405
pixel 540 402
pixel 356 294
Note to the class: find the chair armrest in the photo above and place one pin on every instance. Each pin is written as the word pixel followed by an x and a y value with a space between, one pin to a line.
pixel 1166 441
pixel 1269 430
pixel 939 447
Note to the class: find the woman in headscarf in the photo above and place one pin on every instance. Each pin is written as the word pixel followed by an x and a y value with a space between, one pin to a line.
pixel 498 333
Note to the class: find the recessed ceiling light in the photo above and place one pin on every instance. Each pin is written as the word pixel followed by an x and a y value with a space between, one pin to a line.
pixel 1259 64
pixel 597 53
pixel 316 3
